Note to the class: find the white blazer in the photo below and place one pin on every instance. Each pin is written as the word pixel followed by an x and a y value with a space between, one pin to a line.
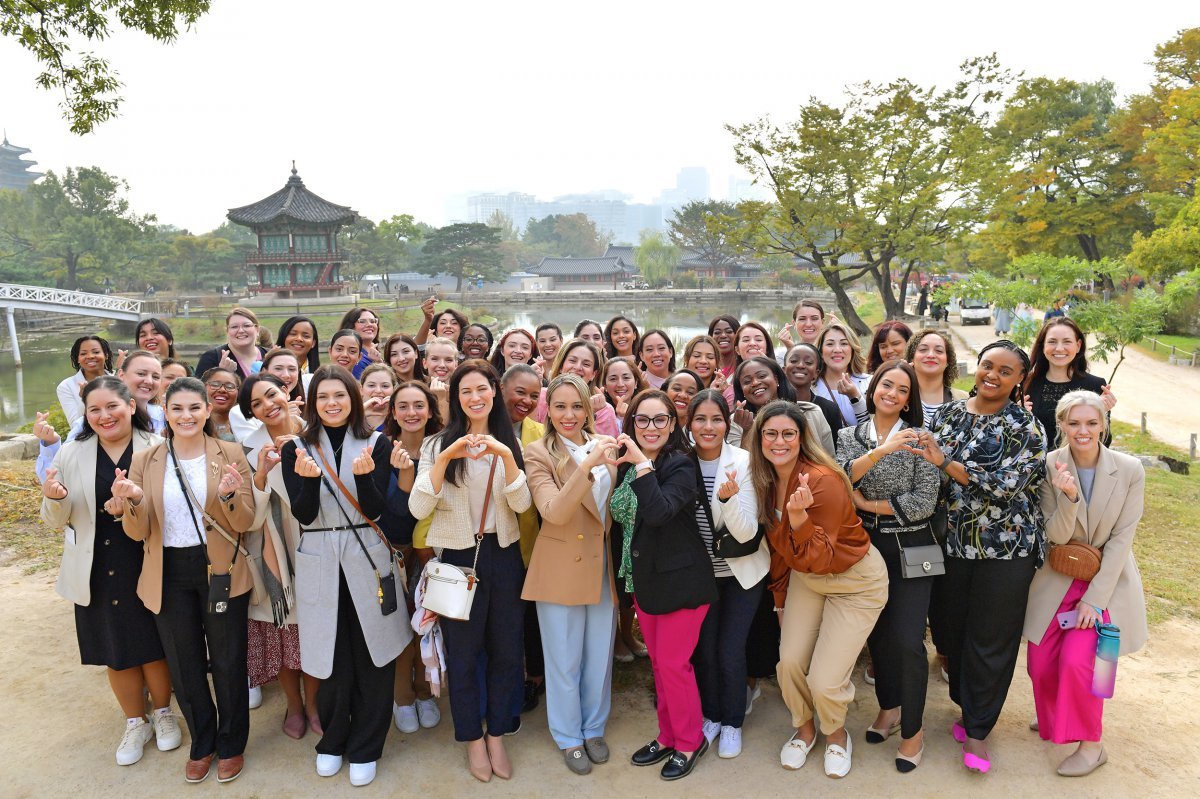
pixel 75 515
pixel 68 396
pixel 739 514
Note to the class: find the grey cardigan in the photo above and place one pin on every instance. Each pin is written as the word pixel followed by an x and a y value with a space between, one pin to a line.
pixel 908 482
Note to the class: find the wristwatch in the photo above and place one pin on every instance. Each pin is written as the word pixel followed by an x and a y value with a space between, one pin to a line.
pixel 648 464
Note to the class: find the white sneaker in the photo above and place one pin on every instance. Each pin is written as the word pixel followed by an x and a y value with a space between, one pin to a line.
pixel 328 765
pixel 255 696
pixel 795 752
pixel 406 717
pixel 731 742
pixel 362 773
pixel 166 730
pixel 837 759
pixel 132 742
pixel 428 712
pixel 751 695
pixel 711 730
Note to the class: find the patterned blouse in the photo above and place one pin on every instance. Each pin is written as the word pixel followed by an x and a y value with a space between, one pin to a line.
pixel 624 506
pixel 996 514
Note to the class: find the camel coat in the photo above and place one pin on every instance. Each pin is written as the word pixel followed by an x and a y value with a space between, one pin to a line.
pixel 571 549
pixel 144 521
pixel 1108 522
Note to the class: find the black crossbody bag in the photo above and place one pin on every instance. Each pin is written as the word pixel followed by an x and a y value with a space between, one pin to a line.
pixel 220 586
pixel 724 544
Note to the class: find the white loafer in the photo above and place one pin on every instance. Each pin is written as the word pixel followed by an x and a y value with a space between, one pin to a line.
pixel 837 759
pixel 795 752
pixel 328 765
pixel 362 773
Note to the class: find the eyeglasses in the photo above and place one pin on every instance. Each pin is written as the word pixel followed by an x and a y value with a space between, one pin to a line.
pixel 787 435
pixel 215 386
pixel 242 327
pixel 474 340
pixel 643 422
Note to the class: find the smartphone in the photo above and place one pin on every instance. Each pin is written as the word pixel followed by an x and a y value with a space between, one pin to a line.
pixel 1068 620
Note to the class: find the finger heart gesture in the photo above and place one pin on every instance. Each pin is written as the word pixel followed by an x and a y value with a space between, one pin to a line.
pixel 400 458
pixel 800 501
pixel 363 463
pixel 730 487
pixel 231 480
pixel 52 488
pixel 305 465
pixel 1064 481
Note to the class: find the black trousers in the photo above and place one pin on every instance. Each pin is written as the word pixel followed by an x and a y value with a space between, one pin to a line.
pixel 195 642
pixel 762 643
pixel 535 661
pixel 355 701
pixel 983 634
pixel 720 656
pixel 897 643
pixel 496 626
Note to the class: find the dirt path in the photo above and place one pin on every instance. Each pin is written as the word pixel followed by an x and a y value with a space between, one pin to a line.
pixel 60 726
pixel 1168 395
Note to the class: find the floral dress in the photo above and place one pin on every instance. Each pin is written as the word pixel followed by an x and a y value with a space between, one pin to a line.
pixel 623 506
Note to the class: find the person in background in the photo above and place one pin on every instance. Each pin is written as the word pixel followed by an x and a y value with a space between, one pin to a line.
pixel 222 386
pixel 570 574
pixel 1060 366
pixel 91 357
pixel 841 379
pixel 414 417
pixel 154 335
pixel 240 352
pixel 753 340
pixel 621 380
pixel 378 382
pixel 549 338
pixel 441 359
pixel 889 343
pixel 728 504
pixel 703 356
pixel 181 499
pixel 808 317
pixel 826 576
pixel 476 341
pixel 101 565
pixel 345 349
pixel 680 387
pixel 470 480
pixel 299 334
pixel 590 331
pixel 896 492
pixel 723 330
pixel 402 354
pixel 1094 496
pixel 515 347
pixel 664 565
pixel 172 370
pixel 994 453
pixel 656 357
pixel 447 323
pixel 285 365
pixel 584 359
pixel 621 337
pixel 365 323
pixel 801 366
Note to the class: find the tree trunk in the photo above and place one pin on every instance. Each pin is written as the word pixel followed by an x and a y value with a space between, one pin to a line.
pixel 72 262
pixel 845 305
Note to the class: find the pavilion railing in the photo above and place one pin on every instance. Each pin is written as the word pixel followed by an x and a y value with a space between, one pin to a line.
pixel 81 299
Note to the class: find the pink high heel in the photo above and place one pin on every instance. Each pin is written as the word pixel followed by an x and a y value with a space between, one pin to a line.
pixel 959 732
pixel 975 762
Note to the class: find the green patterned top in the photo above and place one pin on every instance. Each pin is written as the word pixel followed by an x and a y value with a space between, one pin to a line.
pixel 624 505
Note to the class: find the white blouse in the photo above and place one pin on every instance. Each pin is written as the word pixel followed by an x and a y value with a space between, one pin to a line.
pixel 477 477
pixel 601 480
pixel 178 530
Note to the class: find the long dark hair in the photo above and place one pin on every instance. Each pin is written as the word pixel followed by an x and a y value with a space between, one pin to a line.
pixel 104 347
pixel 716 398
pixel 418 372
pixel 297 391
pixel 458 317
pixel 351 318
pixel 676 441
pixel 762 472
pixel 314 355
pixel 196 387
pixel 1041 364
pixel 357 424
pixel 139 418
pixel 637 348
pixel 499 425
pixel 162 329
pixel 391 428
pixel 610 350
pixel 784 391
pixel 874 361
pixel 247 389
pixel 913 415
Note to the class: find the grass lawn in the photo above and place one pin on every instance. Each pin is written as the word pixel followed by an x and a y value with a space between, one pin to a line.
pixel 1162 352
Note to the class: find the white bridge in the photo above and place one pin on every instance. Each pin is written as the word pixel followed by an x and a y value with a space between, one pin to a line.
pixel 51 300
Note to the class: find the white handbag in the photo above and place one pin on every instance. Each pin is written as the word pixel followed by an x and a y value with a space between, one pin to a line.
pixel 450 590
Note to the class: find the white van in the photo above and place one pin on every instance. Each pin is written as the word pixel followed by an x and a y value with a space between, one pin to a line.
pixel 975 312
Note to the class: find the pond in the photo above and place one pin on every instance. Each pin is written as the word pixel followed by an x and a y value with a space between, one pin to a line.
pixel 46 356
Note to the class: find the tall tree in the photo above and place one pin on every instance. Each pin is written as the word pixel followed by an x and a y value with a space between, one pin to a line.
pixel 571 235
pixel 708 228
pixel 465 250
pixel 656 258
pixel 89 84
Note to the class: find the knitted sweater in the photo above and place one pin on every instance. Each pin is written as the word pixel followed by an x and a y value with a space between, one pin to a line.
pixel 908 482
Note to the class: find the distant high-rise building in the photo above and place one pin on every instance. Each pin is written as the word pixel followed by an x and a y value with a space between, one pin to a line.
pixel 690 184
pixel 621 220
pixel 15 171
pixel 741 188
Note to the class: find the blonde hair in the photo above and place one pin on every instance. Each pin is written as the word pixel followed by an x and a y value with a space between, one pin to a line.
pixel 440 341
pixel 1073 399
pixel 858 363
pixel 558 451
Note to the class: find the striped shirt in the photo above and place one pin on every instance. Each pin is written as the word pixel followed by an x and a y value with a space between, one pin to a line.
pixel 708 470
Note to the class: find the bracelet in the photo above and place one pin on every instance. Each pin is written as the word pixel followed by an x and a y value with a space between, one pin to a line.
pixel 871 457
pixel 945 464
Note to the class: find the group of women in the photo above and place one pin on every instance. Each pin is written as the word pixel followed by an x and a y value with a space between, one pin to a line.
pixel 759 512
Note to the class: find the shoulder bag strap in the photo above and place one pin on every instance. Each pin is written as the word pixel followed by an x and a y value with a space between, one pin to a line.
pixel 193 502
pixel 332 475
pixel 487 498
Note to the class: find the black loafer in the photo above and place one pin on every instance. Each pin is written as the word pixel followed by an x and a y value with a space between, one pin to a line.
pixel 651 753
pixel 679 765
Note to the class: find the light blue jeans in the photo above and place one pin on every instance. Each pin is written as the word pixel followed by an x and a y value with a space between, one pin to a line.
pixel 577 641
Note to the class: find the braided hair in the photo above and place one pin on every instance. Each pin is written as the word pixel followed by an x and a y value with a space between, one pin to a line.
pixel 1011 346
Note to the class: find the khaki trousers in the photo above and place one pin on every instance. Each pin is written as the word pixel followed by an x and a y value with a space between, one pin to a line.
pixel 826 621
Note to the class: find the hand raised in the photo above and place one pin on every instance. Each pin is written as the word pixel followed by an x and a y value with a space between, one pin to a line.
pixel 363 463
pixel 730 487
pixel 633 453
pixel 785 335
pixel 305 465
pixel 1108 397
pixel 126 489
pixel 490 447
pixel 42 429
pixel 799 502
pixel 400 458
pixel 847 387
pixel 604 451
pixel 268 457
pixel 428 305
pixel 927 447
pixel 1064 481
pixel 119 361
pixel 231 480
pixel 375 404
pixel 227 363
pixel 742 417
pixel 52 488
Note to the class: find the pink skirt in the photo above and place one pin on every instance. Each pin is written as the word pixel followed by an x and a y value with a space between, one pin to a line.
pixel 269 649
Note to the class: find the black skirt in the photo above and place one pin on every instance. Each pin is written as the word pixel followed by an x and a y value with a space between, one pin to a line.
pixel 115 630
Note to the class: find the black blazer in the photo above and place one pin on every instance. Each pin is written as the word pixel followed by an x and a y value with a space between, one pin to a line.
pixel 211 358
pixel 671 569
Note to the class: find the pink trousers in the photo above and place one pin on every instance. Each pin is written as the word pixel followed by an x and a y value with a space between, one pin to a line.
pixel 671 639
pixel 1061 671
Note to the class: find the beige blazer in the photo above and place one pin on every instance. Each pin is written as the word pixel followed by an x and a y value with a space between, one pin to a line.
pixel 144 521
pixel 75 514
pixel 571 550
pixel 1109 523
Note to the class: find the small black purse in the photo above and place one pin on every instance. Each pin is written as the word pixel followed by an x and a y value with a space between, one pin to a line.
pixel 724 544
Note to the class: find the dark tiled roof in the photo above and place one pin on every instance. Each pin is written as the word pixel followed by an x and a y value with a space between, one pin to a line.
pixel 622 251
pixel 293 201
pixel 572 267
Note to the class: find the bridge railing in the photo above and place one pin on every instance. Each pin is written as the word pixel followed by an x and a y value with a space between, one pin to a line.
pixel 82 299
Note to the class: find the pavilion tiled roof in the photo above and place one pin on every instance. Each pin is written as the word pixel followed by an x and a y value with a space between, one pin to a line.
pixel 622 251
pixel 293 201
pixel 578 267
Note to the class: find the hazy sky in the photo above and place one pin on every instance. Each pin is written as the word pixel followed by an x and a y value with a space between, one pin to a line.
pixel 397 107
